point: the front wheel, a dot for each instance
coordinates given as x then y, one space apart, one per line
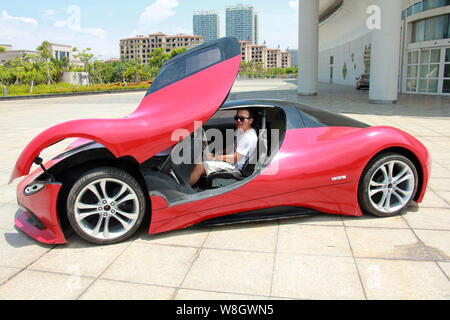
388 185
106 206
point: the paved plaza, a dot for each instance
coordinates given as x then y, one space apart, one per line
317 257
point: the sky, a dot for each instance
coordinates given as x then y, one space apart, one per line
100 24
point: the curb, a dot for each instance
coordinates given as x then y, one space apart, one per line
70 94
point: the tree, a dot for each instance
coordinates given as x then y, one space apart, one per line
2 49
157 57
85 56
32 69
4 77
46 54
61 66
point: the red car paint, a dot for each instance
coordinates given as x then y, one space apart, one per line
149 129
303 178
307 161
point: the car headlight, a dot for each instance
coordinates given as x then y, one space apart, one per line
33 188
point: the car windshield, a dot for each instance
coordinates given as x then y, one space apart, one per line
365 76
186 66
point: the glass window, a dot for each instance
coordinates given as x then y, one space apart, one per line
447 71
423 86
431 29
435 55
419 31
432 85
412 71
413 57
436 28
431 4
434 71
411 85
423 70
446 86
186 66
418 7
409 11
425 56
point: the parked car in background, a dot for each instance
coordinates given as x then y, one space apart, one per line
363 81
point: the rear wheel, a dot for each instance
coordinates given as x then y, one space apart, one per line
388 185
106 206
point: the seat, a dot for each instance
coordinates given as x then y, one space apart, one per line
222 179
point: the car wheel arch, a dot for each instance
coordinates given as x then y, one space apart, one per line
404 152
100 159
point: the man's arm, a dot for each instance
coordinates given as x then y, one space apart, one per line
230 158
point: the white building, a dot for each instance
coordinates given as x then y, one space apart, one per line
403 44
59 51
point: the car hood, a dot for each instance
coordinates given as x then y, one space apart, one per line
189 89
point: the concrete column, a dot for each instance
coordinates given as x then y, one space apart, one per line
384 65
308 47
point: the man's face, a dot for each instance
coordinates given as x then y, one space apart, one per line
244 122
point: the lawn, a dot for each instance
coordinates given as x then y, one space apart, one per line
61 88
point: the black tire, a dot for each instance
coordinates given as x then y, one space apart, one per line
123 207
383 193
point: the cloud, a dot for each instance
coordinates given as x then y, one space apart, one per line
294 4
4 17
14 28
157 12
49 13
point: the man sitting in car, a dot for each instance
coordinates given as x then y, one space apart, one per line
245 144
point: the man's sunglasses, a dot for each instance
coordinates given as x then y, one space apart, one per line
241 119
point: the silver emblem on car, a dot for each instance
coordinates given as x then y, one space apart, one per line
339 178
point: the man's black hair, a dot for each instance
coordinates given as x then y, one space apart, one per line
253 114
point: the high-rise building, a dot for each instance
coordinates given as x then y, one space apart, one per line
207 25
242 23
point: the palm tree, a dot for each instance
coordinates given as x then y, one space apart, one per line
46 54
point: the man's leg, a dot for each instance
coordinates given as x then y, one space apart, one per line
199 170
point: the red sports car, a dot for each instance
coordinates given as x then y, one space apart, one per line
118 171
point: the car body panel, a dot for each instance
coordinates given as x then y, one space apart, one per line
303 176
43 205
304 167
150 128
318 166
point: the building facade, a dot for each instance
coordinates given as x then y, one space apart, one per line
242 23
416 58
140 47
273 58
10 54
59 51
425 48
286 59
207 25
269 58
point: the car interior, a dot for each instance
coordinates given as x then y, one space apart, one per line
168 173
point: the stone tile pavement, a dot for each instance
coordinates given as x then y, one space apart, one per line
318 257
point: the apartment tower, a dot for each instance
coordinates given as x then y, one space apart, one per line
242 23
207 25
